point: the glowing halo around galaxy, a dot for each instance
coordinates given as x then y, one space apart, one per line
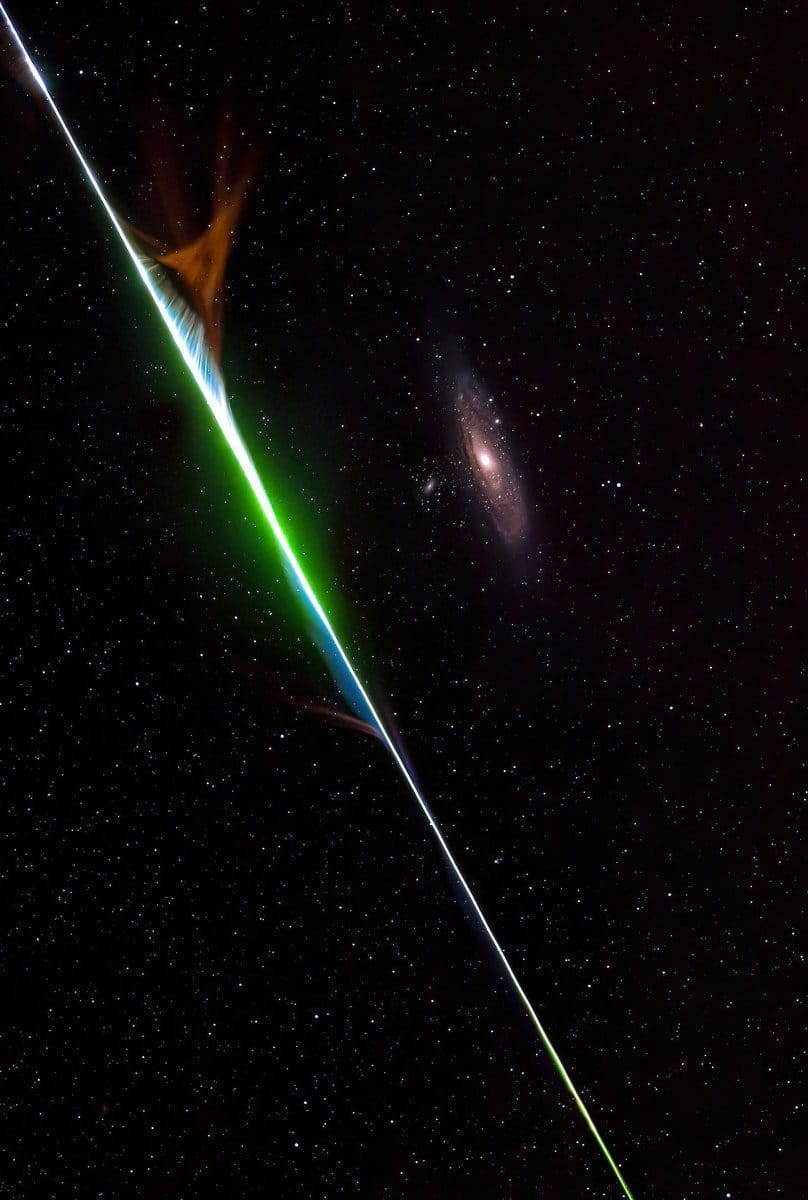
493 473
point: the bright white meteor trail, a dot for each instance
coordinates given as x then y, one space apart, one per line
187 333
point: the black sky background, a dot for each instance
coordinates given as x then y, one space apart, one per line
233 962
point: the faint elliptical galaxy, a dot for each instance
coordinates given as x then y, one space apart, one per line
492 470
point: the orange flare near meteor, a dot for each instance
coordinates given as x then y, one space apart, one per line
200 264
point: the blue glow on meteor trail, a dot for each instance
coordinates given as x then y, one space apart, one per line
187 333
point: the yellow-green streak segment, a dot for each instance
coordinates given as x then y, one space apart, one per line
186 337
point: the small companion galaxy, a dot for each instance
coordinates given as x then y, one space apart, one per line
535 935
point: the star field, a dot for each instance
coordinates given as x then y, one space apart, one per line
233 963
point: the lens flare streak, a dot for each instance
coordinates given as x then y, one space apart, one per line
187 331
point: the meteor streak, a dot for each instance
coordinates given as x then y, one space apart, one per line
187 331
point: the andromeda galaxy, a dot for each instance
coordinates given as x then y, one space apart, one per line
493 474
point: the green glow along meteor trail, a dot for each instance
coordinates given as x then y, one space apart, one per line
188 335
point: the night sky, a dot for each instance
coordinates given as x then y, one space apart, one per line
234 963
